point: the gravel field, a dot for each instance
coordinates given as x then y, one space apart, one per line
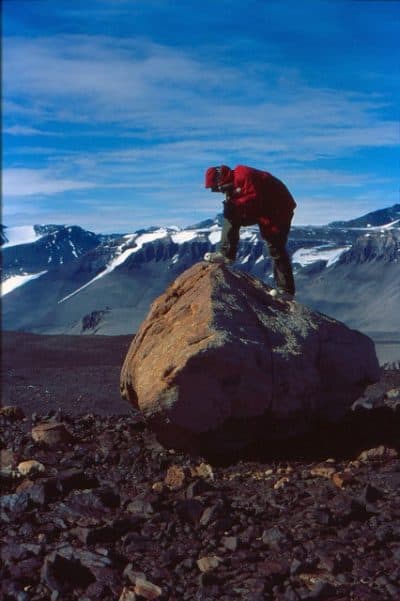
94 508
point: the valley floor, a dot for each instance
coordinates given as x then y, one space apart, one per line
387 346
80 374
75 373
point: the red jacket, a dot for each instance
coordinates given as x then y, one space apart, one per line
258 197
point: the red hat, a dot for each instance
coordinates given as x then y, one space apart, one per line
218 176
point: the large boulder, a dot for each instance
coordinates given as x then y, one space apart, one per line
218 361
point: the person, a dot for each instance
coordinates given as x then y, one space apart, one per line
254 197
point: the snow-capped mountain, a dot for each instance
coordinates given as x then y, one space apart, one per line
30 249
60 279
389 218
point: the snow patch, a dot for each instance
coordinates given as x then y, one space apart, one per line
306 256
184 236
215 236
248 234
24 234
385 226
150 237
16 281
335 256
72 245
121 255
390 225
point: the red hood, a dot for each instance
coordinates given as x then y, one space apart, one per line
218 176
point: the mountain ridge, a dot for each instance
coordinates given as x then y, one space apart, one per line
373 218
69 280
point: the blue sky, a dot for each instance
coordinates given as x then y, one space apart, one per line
113 109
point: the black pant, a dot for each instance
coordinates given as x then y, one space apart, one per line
282 267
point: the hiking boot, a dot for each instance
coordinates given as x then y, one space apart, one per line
281 294
217 257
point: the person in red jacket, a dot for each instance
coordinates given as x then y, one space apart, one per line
254 197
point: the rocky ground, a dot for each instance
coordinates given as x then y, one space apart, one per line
93 507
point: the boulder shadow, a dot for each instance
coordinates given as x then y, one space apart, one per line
360 429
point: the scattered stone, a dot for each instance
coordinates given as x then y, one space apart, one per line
190 510
281 482
371 494
343 563
94 536
67 568
175 477
51 433
127 594
296 567
273 537
323 470
71 535
323 516
23 570
12 412
157 487
43 491
209 515
63 571
229 542
141 505
14 504
75 479
204 470
8 459
197 488
170 557
341 479
147 589
89 506
131 574
205 564
30 467
322 590
274 570
380 453
136 543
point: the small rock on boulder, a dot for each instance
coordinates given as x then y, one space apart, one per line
218 358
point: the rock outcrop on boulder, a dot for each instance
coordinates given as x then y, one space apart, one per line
218 361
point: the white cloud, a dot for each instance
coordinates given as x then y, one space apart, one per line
183 110
31 182
21 130
160 91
